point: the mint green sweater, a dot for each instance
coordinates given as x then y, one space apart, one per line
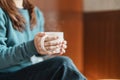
16 47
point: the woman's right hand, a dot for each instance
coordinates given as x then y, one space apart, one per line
49 44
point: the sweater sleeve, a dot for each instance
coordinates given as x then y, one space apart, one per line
40 18
13 55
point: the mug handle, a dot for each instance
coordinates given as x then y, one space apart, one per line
42 42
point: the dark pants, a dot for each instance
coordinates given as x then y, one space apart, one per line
57 68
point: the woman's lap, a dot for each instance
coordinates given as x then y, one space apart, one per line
57 68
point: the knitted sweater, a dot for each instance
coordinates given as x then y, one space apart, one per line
16 48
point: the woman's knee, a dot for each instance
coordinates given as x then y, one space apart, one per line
63 60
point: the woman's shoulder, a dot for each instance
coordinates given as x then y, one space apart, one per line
1 11
38 11
3 14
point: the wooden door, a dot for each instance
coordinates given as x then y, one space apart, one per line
102 45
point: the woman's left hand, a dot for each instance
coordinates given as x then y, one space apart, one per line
63 46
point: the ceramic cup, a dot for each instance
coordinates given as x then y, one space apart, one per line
60 36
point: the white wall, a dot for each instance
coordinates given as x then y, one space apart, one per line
101 5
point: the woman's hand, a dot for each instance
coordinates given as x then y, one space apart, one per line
63 46
49 44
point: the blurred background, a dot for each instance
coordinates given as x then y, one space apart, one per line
92 29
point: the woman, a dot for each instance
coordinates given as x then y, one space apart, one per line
21 24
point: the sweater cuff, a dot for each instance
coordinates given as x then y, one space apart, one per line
30 47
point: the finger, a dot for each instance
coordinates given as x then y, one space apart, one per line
51 43
50 38
51 48
45 52
64 46
41 34
64 42
62 51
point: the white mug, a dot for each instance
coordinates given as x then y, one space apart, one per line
60 36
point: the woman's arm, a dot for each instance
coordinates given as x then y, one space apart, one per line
13 55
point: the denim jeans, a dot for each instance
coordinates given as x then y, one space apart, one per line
57 68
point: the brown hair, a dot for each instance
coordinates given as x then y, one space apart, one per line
17 20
